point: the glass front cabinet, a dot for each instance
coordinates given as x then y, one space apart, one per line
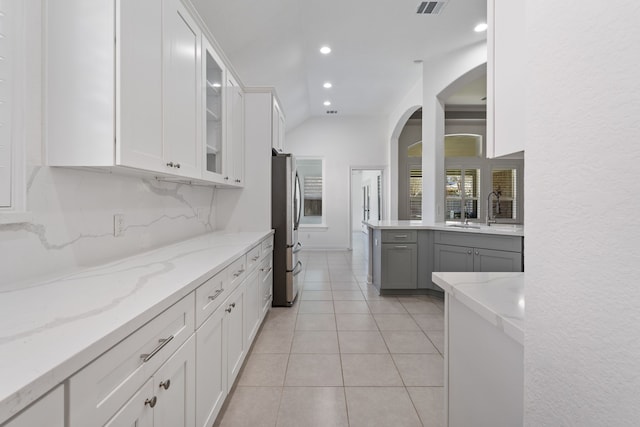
213 103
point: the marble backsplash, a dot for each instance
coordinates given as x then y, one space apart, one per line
73 221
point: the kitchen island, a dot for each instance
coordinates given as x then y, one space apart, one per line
483 356
404 254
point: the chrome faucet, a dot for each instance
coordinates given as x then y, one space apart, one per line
490 207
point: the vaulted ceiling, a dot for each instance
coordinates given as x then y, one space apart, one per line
374 43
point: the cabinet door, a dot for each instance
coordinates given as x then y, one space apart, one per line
138 410
452 258
48 411
253 306
174 386
182 96
214 114
399 266
506 68
277 127
234 332
235 132
266 271
211 366
487 260
139 84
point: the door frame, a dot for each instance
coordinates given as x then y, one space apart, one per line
376 168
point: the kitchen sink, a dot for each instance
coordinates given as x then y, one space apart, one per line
476 227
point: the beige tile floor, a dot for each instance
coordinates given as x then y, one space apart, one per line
343 355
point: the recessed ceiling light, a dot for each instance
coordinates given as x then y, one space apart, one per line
481 27
325 50
327 103
327 85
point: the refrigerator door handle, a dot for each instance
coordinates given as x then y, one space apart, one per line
297 248
296 270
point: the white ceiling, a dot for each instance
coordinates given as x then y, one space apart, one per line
374 42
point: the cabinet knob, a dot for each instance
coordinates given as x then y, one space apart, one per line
228 309
170 164
469 251
165 384
151 402
226 178
477 253
178 165
233 305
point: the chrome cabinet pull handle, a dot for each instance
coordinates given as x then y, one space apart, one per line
151 402
165 384
266 269
163 342
216 295
400 247
401 236
238 273
255 257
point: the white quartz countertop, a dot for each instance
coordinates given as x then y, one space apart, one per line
497 297
457 226
51 329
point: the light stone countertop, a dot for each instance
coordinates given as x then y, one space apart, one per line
51 329
504 229
496 297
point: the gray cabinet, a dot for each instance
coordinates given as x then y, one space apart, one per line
454 252
399 266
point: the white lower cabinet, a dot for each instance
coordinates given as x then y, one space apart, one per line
97 392
234 330
166 399
266 285
211 365
48 411
253 306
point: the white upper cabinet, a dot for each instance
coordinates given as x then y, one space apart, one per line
155 101
506 66
235 132
278 127
182 148
214 76
138 86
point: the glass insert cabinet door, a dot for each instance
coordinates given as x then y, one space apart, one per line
462 193
214 79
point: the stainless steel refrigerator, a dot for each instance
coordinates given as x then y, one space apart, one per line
285 217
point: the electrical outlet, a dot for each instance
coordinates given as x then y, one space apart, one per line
118 225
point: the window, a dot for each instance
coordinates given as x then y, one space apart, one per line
415 192
462 193
505 184
470 178
311 175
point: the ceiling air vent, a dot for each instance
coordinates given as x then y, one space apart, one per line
431 7
332 111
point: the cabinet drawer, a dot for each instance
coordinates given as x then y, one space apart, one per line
486 241
210 295
398 236
237 271
253 257
267 246
102 387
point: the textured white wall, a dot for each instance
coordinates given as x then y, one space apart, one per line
582 338
343 142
